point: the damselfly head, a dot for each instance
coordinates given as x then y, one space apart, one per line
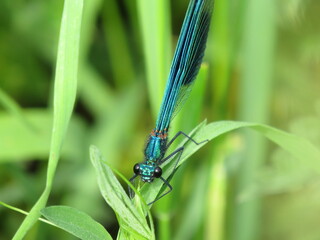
147 172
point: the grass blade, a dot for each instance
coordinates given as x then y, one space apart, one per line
256 83
154 20
24 212
194 210
12 107
64 97
117 44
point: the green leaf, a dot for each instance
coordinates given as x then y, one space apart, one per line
75 222
130 218
64 96
299 147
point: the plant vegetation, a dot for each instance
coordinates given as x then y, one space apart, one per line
81 85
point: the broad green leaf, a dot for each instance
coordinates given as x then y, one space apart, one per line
116 197
299 147
75 222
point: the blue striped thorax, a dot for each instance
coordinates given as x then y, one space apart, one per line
156 146
154 152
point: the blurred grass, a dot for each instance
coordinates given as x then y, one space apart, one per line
155 30
254 104
262 64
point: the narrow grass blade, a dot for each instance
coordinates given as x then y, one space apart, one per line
12 107
12 131
90 81
194 209
64 97
76 222
102 101
117 44
216 197
259 49
91 12
220 47
116 197
154 20
24 212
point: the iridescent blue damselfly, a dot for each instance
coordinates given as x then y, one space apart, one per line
185 66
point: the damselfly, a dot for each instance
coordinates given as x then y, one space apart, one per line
185 66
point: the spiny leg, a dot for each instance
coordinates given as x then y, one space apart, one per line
177 151
182 133
166 181
170 189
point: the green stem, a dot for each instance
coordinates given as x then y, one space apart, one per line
255 92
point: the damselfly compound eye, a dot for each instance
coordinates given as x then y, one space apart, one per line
157 172
136 168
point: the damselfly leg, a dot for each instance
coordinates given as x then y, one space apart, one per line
131 192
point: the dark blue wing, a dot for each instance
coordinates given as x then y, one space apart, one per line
187 58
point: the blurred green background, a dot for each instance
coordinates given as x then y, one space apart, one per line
262 64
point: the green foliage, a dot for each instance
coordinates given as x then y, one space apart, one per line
64 97
75 222
129 218
36 135
155 28
261 66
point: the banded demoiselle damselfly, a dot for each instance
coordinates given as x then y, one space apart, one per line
184 68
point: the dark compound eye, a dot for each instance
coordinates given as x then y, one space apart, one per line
157 172
136 168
